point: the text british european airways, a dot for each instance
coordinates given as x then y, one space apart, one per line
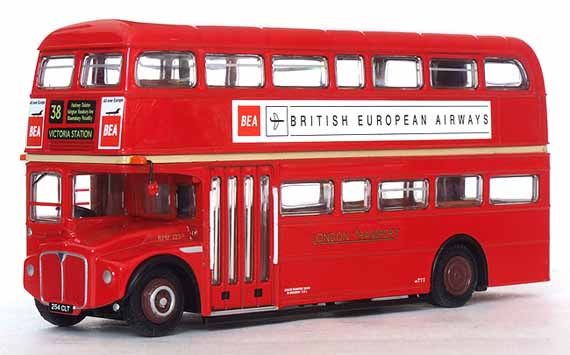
389 120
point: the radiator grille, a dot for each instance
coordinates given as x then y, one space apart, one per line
63 278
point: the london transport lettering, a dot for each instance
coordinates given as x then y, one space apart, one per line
358 236
358 120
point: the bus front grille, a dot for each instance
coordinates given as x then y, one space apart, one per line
63 278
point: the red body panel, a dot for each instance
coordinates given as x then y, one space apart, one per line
387 253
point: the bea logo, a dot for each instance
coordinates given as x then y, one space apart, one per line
110 133
248 121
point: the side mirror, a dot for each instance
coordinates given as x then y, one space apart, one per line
152 185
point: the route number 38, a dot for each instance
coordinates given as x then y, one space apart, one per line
56 112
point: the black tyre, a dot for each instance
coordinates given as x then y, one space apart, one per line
61 320
454 278
156 304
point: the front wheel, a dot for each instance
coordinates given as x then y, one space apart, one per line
454 278
61 320
156 304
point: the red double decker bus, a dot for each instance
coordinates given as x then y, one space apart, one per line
224 170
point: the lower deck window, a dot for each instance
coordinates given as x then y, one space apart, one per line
458 191
307 198
355 196
513 189
402 195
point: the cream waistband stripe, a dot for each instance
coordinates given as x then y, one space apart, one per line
196 158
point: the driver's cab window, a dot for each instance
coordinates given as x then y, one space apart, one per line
98 195
45 203
176 197
159 203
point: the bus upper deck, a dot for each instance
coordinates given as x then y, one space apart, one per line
122 88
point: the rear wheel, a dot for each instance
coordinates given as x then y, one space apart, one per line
61 320
454 278
156 303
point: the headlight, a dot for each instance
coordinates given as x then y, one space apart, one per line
30 270
29 232
107 276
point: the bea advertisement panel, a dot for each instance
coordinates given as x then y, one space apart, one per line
111 122
36 117
265 121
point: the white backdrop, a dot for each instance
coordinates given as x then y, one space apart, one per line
544 25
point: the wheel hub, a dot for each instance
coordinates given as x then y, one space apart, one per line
457 276
158 300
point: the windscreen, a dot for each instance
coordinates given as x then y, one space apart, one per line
45 204
114 194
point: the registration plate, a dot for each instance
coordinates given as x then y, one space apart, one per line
60 308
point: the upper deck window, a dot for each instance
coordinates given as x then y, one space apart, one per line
166 69
503 73
453 73
349 71
298 71
101 70
397 72
236 70
56 72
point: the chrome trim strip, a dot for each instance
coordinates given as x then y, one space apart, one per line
248 203
390 298
275 225
195 158
62 297
211 231
243 311
264 227
232 229
215 229
65 254
192 250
